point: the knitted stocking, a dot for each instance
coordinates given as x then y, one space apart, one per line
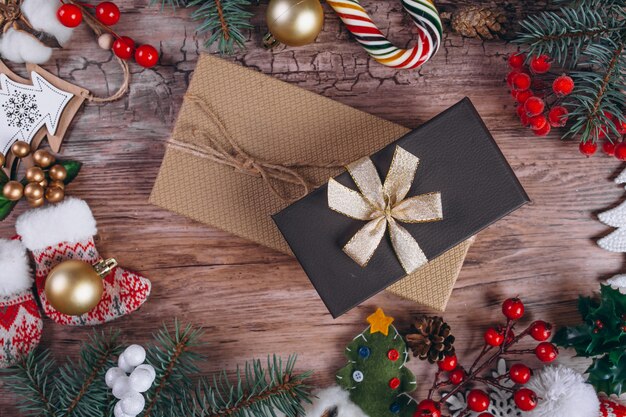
20 321
65 231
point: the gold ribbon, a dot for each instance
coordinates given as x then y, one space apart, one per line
383 206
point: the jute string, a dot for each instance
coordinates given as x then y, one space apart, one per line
272 173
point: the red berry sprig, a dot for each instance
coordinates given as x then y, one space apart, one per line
106 14
499 342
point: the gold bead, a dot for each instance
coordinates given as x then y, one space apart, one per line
43 158
20 149
33 191
36 203
295 22
43 183
54 194
73 287
58 184
13 190
3 159
35 174
58 172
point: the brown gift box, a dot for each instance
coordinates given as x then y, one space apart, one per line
275 122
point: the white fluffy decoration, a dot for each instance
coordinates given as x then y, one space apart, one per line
21 47
69 221
15 274
618 282
328 398
564 393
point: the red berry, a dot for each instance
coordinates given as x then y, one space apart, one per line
513 308
540 64
525 399
510 75
477 400
621 127
546 352
493 337
147 56
563 85
520 373
608 147
393 355
543 131
521 81
107 13
394 383
588 148
517 60
620 151
534 106
537 122
457 376
557 116
540 330
70 15
124 47
427 408
448 363
523 96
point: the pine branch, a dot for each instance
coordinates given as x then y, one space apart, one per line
257 393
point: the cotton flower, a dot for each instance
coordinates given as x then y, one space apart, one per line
564 393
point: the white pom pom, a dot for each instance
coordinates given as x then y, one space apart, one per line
564 393
148 368
118 412
121 387
112 375
618 282
134 355
141 379
124 365
133 404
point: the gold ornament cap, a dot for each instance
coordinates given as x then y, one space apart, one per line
293 22
75 287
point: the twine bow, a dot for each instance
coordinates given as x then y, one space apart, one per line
384 206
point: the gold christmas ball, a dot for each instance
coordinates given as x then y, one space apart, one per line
58 184
58 173
295 22
105 41
43 183
43 158
20 149
73 287
36 203
33 191
55 194
13 190
35 174
2 159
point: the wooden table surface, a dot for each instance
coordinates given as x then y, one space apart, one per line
253 301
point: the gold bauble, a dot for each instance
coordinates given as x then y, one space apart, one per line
35 174
55 194
2 159
20 149
58 172
43 183
36 203
58 184
33 191
75 287
43 158
13 190
294 22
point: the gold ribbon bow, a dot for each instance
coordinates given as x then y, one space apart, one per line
383 206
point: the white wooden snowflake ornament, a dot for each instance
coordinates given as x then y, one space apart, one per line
615 217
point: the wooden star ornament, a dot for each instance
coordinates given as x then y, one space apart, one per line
379 322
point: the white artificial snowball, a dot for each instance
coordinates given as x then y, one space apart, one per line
563 393
141 379
134 355
112 375
133 404
148 368
121 387
124 365
118 412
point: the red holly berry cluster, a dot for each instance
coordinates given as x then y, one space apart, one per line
498 342
107 14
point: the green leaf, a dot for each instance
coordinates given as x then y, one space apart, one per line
606 376
6 206
72 168
3 177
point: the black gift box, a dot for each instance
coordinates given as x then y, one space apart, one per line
458 157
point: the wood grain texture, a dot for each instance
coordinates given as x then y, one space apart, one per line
254 301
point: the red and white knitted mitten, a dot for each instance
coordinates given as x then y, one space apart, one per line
65 231
20 320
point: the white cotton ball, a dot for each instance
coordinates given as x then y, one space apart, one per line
133 404
563 393
42 14
118 412
122 388
148 368
18 46
134 355
141 379
124 365
112 375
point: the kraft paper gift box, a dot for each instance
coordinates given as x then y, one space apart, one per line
272 121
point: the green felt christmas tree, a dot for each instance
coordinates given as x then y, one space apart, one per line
376 376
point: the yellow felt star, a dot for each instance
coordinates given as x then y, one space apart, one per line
379 322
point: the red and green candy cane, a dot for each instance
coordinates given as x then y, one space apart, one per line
360 24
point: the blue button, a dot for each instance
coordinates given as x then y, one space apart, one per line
364 352
395 408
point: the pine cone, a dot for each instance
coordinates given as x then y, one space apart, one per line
430 339
480 22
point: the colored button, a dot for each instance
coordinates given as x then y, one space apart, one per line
393 355
364 352
394 383
395 408
357 376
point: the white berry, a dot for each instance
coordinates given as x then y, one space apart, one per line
121 388
134 355
148 368
111 376
118 412
133 404
123 364
141 379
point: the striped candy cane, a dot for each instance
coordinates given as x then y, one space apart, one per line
360 24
